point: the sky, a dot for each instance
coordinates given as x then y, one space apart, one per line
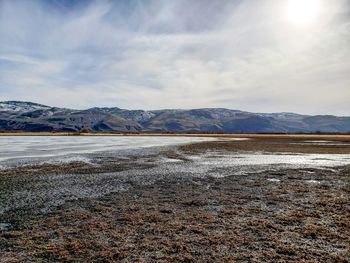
253 55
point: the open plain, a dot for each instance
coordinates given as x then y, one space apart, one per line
246 198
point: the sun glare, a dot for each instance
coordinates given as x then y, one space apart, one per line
303 12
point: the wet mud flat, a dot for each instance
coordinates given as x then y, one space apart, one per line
191 203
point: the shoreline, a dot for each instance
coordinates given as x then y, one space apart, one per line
340 137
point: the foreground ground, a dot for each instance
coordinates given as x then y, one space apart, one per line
274 215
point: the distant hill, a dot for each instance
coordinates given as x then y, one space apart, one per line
28 116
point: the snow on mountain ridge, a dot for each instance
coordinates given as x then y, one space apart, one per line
19 106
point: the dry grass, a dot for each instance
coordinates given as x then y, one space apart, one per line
239 218
190 223
269 145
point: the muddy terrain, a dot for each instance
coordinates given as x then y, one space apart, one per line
254 200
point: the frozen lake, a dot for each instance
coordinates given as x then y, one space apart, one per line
42 147
17 150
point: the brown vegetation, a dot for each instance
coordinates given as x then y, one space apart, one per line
239 218
189 222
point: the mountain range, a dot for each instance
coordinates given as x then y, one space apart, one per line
33 117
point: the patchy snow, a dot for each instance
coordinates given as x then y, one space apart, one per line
14 106
274 180
312 182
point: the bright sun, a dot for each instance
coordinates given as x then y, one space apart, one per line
303 12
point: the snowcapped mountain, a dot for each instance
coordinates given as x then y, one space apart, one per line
20 106
28 116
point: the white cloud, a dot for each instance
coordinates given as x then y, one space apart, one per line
178 54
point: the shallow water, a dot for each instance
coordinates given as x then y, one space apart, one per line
323 142
260 158
253 162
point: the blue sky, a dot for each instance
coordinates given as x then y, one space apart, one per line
244 54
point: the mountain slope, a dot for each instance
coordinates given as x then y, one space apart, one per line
28 116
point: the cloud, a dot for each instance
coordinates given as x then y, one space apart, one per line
179 54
